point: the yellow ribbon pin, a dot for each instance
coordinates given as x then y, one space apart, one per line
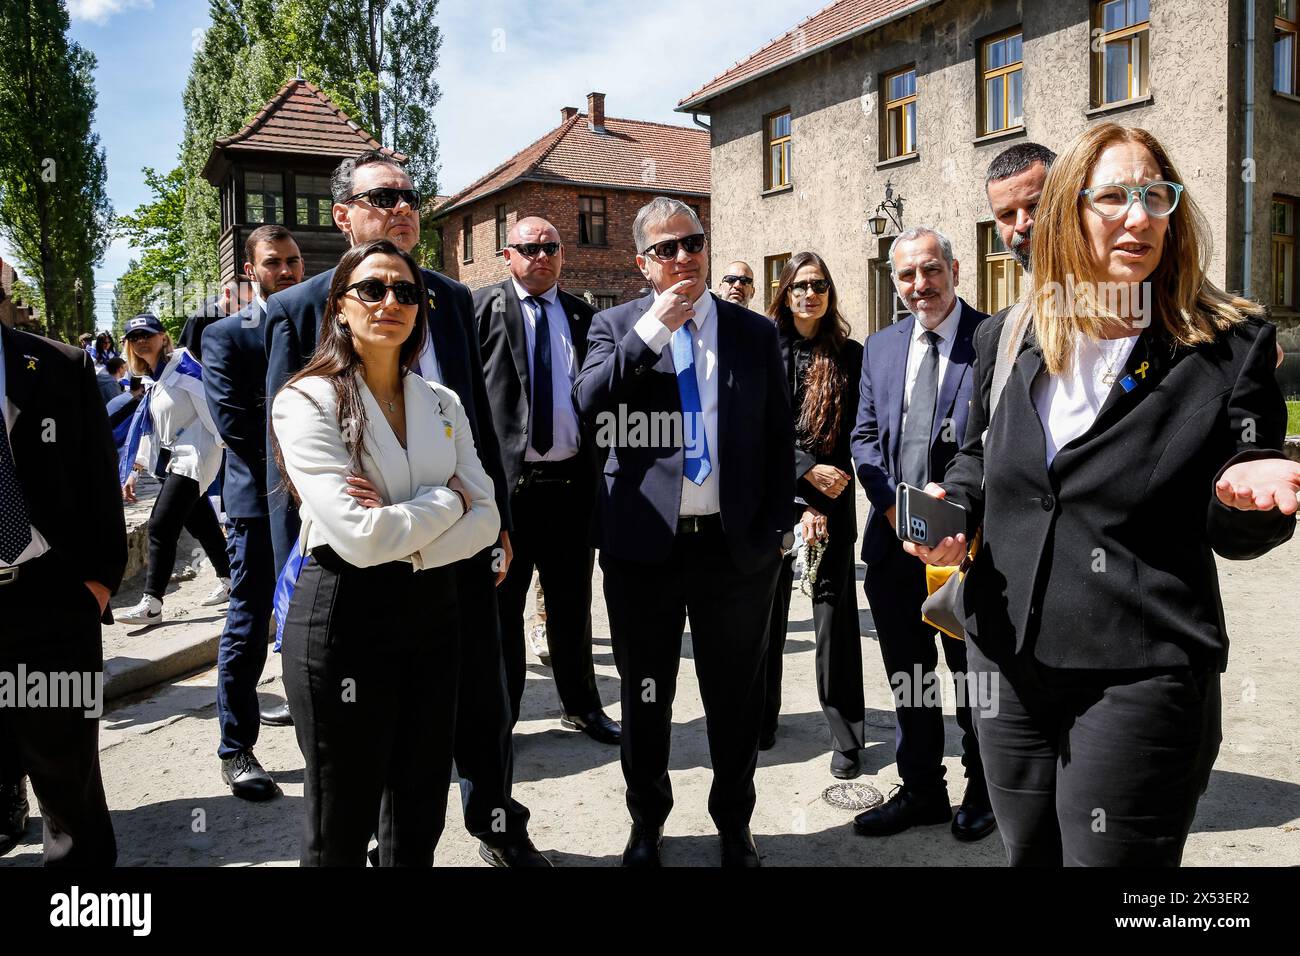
1142 369
31 364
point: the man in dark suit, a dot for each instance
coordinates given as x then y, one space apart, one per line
62 555
691 518
373 199
915 395
234 380
533 340
212 310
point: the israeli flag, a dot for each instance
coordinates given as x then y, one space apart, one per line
284 587
141 425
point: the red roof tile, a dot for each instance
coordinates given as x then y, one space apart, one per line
631 154
832 24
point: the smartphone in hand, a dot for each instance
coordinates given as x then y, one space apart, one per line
925 519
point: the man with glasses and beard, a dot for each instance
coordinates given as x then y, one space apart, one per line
737 284
533 340
374 199
689 524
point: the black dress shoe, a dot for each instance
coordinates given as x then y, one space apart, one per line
517 853
277 716
974 819
14 811
597 725
642 848
246 778
846 766
738 848
903 810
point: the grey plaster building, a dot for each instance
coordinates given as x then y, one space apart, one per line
919 95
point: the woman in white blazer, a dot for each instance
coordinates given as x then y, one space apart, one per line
173 437
391 494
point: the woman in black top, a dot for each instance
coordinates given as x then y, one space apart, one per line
1139 433
822 363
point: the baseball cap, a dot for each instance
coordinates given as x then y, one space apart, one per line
146 324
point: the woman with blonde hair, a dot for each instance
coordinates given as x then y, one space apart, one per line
1138 433
172 435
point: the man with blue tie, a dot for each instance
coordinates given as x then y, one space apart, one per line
915 393
533 339
687 395
374 199
234 382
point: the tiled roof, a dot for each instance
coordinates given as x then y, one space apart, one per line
300 119
631 154
832 24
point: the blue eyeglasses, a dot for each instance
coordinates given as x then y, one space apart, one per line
1112 200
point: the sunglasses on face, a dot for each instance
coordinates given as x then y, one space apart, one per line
531 249
1112 200
386 197
818 286
374 290
668 248
737 280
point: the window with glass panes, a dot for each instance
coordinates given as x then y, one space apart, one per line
313 200
263 197
1284 253
591 221
502 231
1121 50
1002 75
778 149
467 239
605 302
900 113
1002 279
1286 34
772 266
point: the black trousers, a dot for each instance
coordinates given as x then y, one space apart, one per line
895 587
839 642
1096 768
242 652
551 516
728 610
181 504
49 624
485 755
370 672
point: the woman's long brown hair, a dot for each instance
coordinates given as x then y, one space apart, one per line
822 411
336 357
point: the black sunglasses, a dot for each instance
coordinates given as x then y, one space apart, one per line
817 285
668 248
531 249
373 290
737 280
386 197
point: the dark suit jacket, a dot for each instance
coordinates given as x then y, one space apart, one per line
70 484
292 321
877 436
639 499
1135 491
503 345
841 512
234 381
192 331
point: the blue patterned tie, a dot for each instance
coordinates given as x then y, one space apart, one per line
543 431
15 524
696 466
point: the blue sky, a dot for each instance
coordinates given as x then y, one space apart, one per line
506 70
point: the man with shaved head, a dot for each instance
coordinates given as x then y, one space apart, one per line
533 340
737 284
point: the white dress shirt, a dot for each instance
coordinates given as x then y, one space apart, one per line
564 434
1068 404
38 545
702 499
421 520
917 347
430 370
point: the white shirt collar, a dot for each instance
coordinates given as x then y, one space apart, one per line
704 310
549 296
261 303
945 329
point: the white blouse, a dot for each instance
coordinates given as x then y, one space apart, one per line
183 423
421 519
1068 404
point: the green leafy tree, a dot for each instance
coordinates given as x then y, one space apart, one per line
157 280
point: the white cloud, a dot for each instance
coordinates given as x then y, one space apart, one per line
98 11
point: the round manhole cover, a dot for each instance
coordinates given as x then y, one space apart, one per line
853 796
879 718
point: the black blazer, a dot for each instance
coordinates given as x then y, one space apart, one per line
639 499
234 381
841 512
503 346
292 321
70 484
1133 495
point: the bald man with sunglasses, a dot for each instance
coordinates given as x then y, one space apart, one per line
737 285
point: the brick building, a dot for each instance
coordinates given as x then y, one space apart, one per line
14 313
588 176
